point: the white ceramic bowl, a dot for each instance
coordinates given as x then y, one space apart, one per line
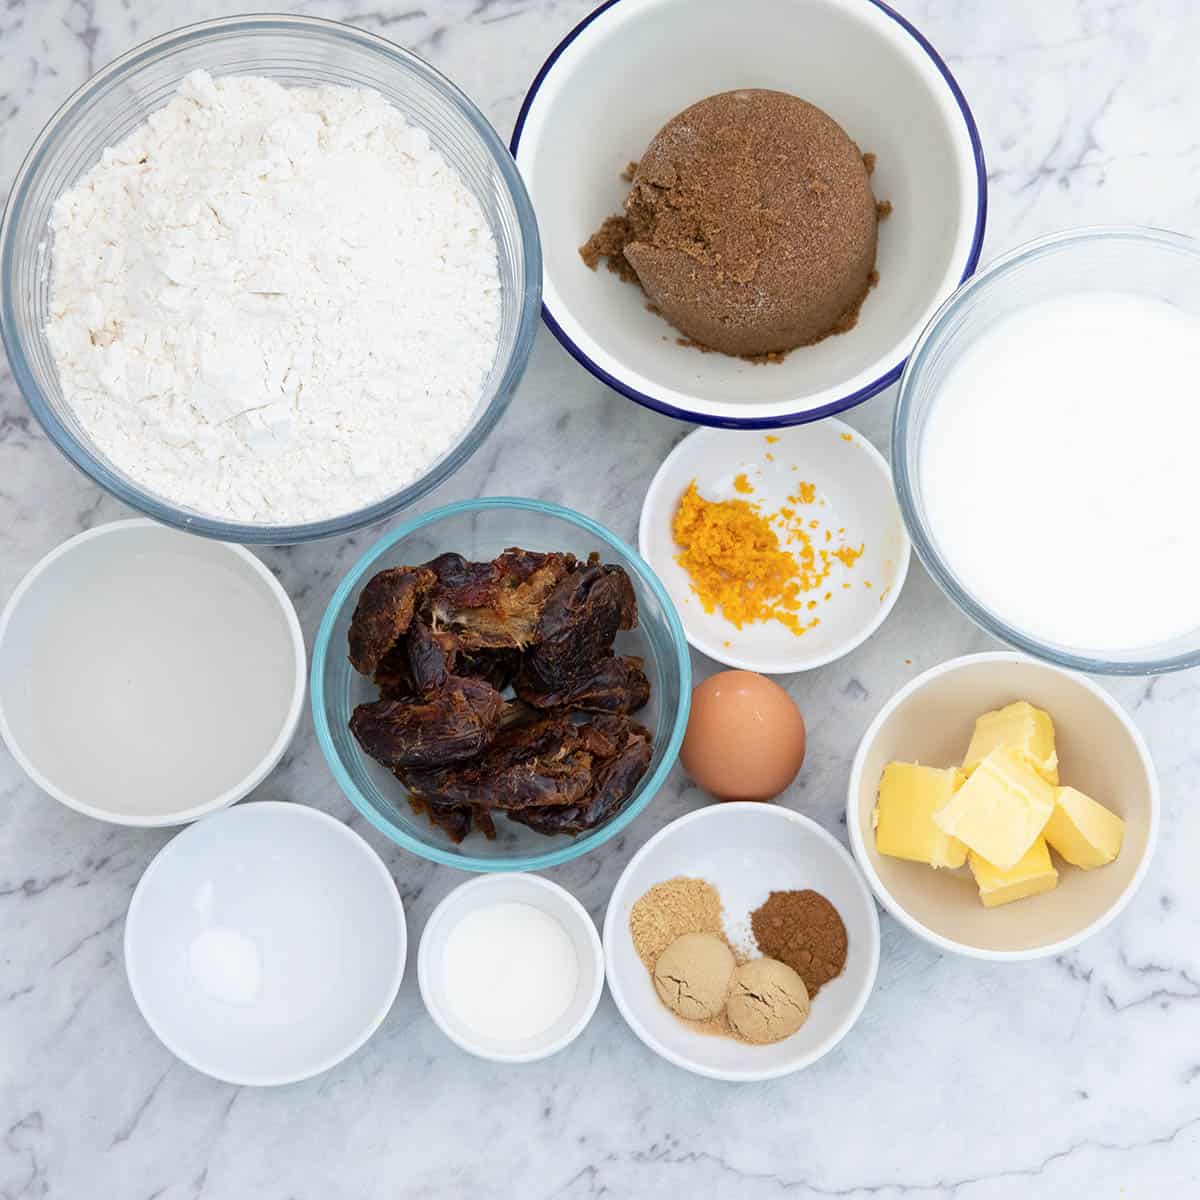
511 889
745 850
630 66
1100 752
265 944
148 677
853 493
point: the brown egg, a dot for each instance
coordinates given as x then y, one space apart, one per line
745 737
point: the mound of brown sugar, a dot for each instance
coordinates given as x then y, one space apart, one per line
751 224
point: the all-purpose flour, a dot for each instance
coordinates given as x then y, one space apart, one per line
273 304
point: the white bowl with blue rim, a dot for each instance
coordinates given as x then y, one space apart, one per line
630 66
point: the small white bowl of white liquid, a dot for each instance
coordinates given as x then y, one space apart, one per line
510 967
148 677
1044 449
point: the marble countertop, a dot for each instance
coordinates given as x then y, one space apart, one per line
1070 1077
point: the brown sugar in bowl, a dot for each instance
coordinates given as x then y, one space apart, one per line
629 67
751 223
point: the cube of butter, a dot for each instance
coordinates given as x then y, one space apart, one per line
1001 810
1033 874
909 794
1084 832
1019 725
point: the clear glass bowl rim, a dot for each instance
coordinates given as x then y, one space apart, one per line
233 531
904 470
580 845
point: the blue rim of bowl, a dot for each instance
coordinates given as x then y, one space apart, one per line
232 531
903 470
835 406
580 845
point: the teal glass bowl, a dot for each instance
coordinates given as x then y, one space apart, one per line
481 529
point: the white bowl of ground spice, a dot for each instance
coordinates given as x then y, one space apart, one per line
797 919
749 152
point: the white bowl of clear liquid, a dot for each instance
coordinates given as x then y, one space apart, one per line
148 677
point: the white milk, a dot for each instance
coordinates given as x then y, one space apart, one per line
1060 467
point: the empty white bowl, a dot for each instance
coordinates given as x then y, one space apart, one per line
629 67
1100 752
265 944
148 677
746 850
853 494
551 899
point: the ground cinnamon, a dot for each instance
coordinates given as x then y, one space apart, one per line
805 931
755 565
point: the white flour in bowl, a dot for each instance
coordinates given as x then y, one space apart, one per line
273 304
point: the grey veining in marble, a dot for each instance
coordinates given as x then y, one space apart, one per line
1073 1077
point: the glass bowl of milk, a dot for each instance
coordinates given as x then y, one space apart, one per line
1045 449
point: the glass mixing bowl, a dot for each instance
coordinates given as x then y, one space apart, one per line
296 51
1147 262
481 529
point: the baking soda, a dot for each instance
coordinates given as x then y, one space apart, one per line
1060 474
510 971
226 965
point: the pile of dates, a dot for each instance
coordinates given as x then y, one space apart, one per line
500 690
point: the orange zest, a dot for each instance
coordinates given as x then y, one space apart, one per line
752 565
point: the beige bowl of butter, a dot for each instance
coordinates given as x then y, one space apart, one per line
1100 752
